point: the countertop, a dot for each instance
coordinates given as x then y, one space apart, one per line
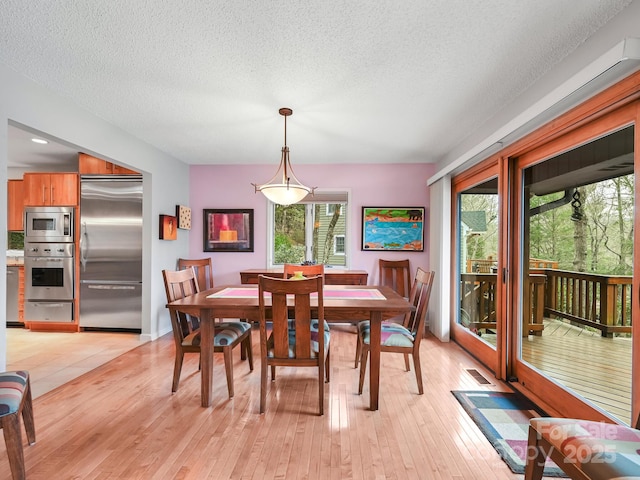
15 258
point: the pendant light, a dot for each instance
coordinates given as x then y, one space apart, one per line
284 188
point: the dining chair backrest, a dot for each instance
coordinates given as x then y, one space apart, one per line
307 270
419 299
396 274
179 284
203 268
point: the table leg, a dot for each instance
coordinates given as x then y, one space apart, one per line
206 356
374 358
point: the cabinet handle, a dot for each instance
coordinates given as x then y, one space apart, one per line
43 194
52 195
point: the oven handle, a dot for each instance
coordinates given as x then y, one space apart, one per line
47 259
111 287
49 304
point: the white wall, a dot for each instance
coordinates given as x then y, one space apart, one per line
441 253
166 182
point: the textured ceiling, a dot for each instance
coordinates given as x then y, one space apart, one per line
384 81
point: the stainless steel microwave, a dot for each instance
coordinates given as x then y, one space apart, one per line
48 224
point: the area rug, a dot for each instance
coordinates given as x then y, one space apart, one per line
503 417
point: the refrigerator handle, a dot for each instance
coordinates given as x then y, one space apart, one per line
83 250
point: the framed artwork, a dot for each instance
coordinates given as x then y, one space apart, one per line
393 228
168 227
184 217
228 230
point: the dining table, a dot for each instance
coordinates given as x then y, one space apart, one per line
342 304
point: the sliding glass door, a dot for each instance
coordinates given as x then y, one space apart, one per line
572 322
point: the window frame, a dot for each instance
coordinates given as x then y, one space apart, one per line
321 196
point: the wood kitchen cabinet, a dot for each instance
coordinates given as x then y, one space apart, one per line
96 166
60 189
15 203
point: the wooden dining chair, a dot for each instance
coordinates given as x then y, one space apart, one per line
301 341
396 274
307 270
400 338
16 401
180 284
203 268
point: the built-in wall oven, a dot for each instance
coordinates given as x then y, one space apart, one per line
49 282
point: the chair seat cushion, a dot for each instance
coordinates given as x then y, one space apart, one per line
225 334
601 450
314 340
391 334
12 386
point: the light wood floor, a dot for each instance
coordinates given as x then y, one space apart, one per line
120 421
55 358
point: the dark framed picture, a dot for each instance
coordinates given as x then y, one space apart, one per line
168 227
228 230
393 228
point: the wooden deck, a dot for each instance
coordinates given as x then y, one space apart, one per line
595 367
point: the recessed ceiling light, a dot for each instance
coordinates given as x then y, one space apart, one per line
39 140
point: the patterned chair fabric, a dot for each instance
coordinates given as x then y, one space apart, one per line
586 449
225 334
391 334
12 387
314 340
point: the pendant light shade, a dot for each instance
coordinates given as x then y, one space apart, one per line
284 188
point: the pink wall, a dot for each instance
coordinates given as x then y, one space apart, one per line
229 186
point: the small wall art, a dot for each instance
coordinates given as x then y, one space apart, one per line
168 227
393 228
184 217
228 230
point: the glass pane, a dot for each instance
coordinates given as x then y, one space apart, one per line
311 232
477 257
576 287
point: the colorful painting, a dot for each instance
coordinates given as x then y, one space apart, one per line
391 228
228 230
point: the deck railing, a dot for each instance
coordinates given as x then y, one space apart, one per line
598 301
602 302
478 301
484 265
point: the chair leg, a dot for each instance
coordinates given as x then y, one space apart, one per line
417 367
363 368
406 362
327 366
358 351
273 373
13 440
228 367
177 368
249 351
536 457
321 373
263 384
27 414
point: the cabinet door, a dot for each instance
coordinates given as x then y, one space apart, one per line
118 170
36 189
92 165
64 189
15 198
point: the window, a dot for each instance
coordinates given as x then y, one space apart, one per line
338 245
314 230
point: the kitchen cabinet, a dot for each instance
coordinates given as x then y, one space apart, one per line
96 166
59 189
15 203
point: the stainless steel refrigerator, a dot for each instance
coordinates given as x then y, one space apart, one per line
111 252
